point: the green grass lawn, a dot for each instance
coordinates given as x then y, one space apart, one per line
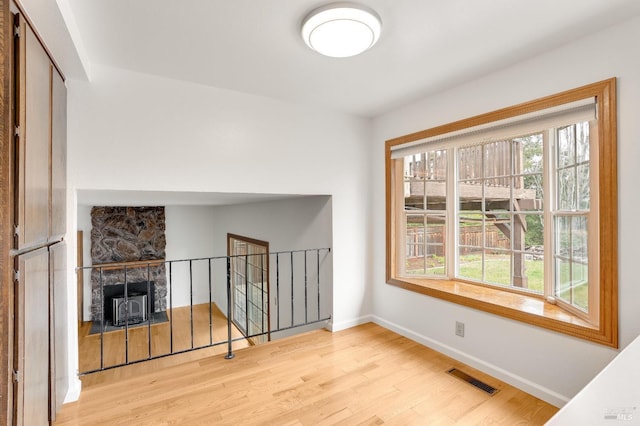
498 271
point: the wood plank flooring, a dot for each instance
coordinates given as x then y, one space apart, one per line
161 344
362 375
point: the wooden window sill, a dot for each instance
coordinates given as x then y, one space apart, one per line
528 309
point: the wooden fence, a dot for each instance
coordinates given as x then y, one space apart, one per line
470 238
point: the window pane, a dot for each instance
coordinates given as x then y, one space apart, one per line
436 195
497 268
534 236
425 245
425 181
566 146
567 189
563 236
533 271
497 231
470 229
563 279
436 233
580 285
414 166
527 154
571 254
582 142
470 263
414 195
528 191
583 187
415 245
470 194
579 238
497 161
470 162
497 197
436 166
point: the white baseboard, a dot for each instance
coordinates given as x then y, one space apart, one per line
73 393
343 325
521 383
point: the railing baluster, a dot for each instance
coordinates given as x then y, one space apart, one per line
191 299
171 307
305 287
126 317
246 293
292 298
278 290
318 278
150 309
262 290
101 319
209 307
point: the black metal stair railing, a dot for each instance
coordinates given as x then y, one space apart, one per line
302 297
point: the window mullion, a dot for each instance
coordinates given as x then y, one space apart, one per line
452 213
549 185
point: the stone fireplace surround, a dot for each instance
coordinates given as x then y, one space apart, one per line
131 235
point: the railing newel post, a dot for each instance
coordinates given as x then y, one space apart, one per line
229 354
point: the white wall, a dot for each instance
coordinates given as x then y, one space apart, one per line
190 233
130 131
292 224
547 364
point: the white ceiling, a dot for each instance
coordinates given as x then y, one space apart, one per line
254 46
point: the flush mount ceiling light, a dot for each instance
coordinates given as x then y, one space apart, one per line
341 30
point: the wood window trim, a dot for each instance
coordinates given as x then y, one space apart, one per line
530 309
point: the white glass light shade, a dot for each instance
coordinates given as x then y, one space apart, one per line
341 30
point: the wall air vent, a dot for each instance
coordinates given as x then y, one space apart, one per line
473 381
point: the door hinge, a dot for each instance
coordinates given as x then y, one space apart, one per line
16 376
16 131
16 31
16 230
16 276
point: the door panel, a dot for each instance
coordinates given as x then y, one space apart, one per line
58 157
33 355
59 333
34 70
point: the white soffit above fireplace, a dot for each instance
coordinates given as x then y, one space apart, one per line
169 198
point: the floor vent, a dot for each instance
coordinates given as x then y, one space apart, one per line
473 381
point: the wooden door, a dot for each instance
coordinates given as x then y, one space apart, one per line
250 287
32 323
34 122
40 215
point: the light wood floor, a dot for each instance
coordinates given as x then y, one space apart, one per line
114 342
362 375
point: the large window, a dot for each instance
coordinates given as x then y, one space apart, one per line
513 212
